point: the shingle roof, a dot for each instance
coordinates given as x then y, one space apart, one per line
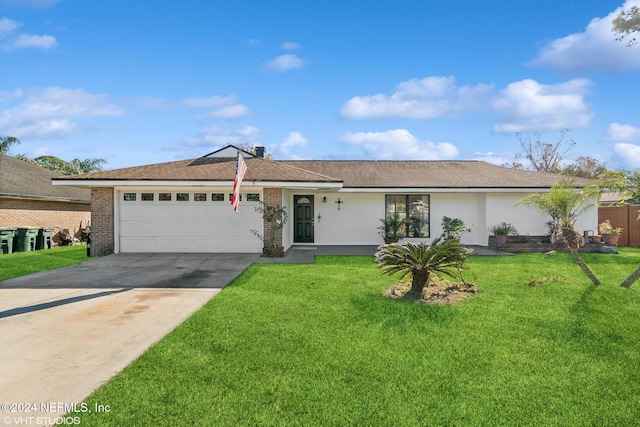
209 169
354 174
19 178
428 174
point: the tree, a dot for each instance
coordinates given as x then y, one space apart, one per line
73 167
543 156
627 184
565 203
585 167
442 258
627 23
6 142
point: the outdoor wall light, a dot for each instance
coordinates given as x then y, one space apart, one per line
324 199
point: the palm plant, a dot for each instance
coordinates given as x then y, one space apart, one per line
565 203
444 258
6 142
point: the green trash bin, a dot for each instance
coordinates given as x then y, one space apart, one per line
6 239
44 238
26 239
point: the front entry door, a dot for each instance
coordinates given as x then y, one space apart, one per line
303 220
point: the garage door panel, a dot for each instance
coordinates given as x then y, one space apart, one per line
188 227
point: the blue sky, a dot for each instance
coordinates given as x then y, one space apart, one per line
147 82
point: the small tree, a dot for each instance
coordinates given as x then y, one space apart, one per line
6 142
627 184
626 23
453 228
443 258
73 167
543 156
274 218
565 203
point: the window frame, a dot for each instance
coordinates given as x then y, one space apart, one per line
424 223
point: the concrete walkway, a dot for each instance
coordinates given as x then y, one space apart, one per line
65 332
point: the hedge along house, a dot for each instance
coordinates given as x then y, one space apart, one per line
184 206
27 198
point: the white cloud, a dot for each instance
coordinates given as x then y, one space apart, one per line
629 153
52 112
525 105
425 98
224 107
399 144
9 41
293 140
31 40
219 136
230 112
7 27
530 106
284 63
495 158
593 49
290 46
617 132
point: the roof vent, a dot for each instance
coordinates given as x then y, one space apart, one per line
260 151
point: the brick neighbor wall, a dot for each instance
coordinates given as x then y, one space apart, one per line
44 214
102 227
272 197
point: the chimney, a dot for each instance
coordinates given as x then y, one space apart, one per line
260 151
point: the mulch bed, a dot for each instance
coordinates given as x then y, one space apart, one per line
436 292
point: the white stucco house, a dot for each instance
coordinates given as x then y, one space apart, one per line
184 206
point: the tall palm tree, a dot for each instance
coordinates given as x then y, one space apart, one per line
421 261
73 167
564 203
6 142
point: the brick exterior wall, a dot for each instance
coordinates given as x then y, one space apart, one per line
272 197
47 214
102 226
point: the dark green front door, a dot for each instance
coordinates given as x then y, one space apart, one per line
303 219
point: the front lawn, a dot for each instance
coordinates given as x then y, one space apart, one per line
23 263
317 345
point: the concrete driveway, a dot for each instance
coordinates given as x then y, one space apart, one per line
65 332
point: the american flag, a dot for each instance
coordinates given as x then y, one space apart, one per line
241 170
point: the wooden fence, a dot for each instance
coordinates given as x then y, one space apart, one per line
627 217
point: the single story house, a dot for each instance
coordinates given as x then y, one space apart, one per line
184 206
27 198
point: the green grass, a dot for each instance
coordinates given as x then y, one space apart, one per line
23 263
317 345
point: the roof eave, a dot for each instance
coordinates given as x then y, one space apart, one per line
190 183
43 198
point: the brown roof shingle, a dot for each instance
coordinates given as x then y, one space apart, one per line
19 178
351 173
209 169
428 174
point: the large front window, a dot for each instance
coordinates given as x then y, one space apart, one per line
411 208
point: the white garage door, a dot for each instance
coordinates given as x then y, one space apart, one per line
187 221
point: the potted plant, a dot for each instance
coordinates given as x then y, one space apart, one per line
609 233
390 228
501 231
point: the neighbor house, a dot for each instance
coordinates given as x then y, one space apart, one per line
27 198
184 206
